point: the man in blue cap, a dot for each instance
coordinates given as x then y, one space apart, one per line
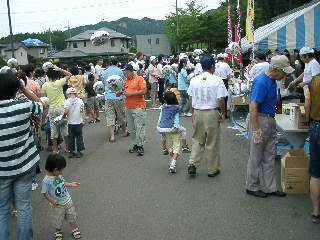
207 101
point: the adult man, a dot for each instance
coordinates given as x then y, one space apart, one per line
224 71
314 133
261 180
114 104
153 79
207 93
134 90
260 66
98 69
161 79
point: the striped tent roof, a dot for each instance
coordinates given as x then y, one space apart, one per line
294 31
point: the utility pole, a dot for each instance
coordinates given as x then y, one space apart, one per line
50 41
177 25
10 27
69 29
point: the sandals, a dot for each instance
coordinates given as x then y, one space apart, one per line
92 121
98 120
58 235
76 233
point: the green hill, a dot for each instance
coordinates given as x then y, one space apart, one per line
128 26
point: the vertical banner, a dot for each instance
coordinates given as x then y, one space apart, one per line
230 37
250 21
238 32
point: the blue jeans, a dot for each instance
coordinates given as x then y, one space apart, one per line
185 102
19 189
75 137
314 166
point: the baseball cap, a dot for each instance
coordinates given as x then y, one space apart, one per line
71 91
207 61
152 58
282 63
306 50
128 67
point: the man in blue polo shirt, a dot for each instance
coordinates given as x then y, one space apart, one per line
261 181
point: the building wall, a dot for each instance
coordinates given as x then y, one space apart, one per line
38 52
112 45
153 44
20 54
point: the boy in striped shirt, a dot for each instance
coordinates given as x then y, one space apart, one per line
18 154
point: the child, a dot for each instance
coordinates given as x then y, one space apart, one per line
55 191
182 130
168 126
73 110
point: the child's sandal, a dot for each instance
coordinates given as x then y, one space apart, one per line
58 235
76 233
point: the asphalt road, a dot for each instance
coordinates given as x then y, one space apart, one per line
124 197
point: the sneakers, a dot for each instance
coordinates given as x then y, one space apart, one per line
79 154
134 149
192 170
315 218
34 186
165 151
172 167
187 114
186 149
140 151
72 155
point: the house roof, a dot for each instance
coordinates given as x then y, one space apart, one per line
78 53
30 42
85 36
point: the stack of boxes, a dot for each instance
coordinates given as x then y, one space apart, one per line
294 172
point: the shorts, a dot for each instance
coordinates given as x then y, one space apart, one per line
154 87
115 111
314 132
173 142
62 212
55 128
92 103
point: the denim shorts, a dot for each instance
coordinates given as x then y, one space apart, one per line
314 132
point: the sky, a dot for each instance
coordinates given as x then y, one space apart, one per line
40 15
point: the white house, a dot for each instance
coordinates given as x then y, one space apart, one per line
81 46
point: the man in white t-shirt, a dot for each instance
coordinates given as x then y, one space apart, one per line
224 71
312 69
198 69
261 65
98 69
73 111
207 101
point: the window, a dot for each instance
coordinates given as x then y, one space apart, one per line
157 41
149 41
84 44
113 43
69 44
41 51
75 45
21 54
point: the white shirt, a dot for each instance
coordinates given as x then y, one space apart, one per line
205 89
98 71
259 68
75 107
198 69
159 67
223 70
239 88
153 72
311 70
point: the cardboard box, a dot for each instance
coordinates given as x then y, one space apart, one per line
240 100
295 172
302 122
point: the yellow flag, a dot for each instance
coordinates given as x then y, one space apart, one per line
250 21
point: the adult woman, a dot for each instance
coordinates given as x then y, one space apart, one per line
183 87
54 91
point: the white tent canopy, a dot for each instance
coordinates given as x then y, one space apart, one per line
294 31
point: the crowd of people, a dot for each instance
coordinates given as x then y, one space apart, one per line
62 99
